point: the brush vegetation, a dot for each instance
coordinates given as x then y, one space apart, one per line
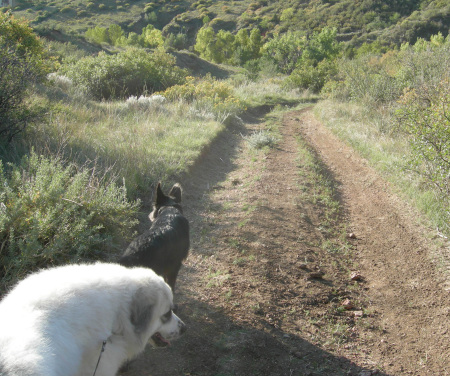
94 114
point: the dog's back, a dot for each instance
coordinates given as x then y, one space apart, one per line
166 244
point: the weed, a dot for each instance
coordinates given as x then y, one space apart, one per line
261 139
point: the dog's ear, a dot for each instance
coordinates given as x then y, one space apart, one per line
160 197
141 312
175 192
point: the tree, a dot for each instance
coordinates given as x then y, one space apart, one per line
224 46
98 35
285 50
255 43
23 61
115 32
205 43
151 37
322 46
317 62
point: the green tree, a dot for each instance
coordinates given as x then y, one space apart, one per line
205 43
323 45
242 48
317 63
255 44
151 37
287 15
115 32
224 46
285 50
98 35
23 61
424 116
177 41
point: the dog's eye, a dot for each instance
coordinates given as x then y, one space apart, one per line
167 316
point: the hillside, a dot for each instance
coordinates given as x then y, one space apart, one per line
390 22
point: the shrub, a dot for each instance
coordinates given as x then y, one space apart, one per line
215 96
367 80
146 103
23 61
130 72
52 214
312 77
177 41
261 139
97 35
424 116
285 50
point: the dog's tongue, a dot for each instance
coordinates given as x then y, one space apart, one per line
159 340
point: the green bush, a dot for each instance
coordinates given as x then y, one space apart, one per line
51 214
215 95
424 116
379 79
312 77
177 41
224 47
285 50
130 72
368 79
97 35
23 61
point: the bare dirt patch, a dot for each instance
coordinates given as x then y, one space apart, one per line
276 285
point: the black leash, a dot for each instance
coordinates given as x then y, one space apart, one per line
101 353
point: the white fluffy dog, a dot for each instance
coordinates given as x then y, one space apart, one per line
55 322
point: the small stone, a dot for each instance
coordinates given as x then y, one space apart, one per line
355 276
352 235
347 304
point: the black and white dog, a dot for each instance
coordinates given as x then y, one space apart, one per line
165 245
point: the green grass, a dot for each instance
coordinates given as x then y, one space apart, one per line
368 133
141 145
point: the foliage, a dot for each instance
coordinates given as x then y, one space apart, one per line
130 72
98 35
216 96
380 79
409 90
177 41
425 116
51 214
317 63
312 77
358 21
150 37
285 50
23 61
224 47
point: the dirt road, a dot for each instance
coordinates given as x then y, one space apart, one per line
281 281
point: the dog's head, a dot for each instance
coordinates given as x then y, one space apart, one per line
152 316
173 199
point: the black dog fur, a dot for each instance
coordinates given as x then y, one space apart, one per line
165 245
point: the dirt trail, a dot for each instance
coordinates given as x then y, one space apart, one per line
263 287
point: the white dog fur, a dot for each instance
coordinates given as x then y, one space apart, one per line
54 322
